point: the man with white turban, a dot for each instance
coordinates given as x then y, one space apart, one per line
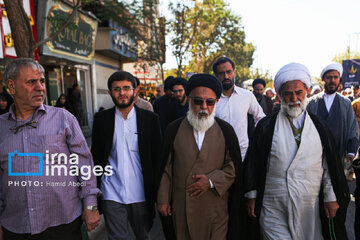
337 111
294 181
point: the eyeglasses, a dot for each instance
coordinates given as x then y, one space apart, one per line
222 74
16 128
124 88
200 101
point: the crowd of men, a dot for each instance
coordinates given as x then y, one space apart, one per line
215 160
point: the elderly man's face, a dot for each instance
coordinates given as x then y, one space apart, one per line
331 81
293 98
203 101
292 92
29 88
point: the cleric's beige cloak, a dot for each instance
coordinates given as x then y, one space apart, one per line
204 217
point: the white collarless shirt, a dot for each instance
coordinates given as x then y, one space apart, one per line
234 110
199 138
299 120
126 185
329 100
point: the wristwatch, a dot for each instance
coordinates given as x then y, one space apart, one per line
92 208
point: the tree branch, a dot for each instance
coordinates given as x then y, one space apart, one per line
68 21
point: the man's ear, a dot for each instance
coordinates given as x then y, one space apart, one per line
11 85
136 90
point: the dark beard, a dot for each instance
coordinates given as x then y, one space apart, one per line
181 100
329 91
227 86
258 96
123 105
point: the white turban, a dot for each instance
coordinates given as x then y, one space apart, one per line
333 66
315 88
291 72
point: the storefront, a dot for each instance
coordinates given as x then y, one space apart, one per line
115 47
68 58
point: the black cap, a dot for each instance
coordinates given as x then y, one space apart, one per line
168 83
204 80
257 81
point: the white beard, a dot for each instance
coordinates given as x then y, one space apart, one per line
203 124
294 112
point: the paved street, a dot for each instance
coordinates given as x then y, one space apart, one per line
156 231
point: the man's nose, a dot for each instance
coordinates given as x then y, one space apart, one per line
40 85
294 97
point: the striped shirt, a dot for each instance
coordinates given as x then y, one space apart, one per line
31 199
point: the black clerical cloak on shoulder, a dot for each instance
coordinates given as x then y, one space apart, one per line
236 204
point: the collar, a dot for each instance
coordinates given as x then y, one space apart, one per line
12 115
130 115
235 91
329 96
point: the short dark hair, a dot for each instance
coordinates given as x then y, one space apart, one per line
137 81
121 76
221 61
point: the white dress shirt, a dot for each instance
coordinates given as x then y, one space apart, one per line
234 110
126 185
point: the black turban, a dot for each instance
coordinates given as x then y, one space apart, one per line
204 80
179 81
257 81
168 84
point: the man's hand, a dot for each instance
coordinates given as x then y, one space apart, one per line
200 187
250 203
164 209
331 209
91 219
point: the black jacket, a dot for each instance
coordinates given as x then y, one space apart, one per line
149 140
236 204
255 167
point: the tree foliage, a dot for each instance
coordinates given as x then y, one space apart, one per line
138 17
346 56
206 31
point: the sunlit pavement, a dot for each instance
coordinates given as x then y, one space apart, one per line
157 234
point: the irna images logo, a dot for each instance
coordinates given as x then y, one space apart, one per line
16 154
57 164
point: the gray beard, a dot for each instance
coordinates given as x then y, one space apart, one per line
294 112
203 124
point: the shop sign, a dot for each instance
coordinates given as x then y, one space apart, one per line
76 41
122 41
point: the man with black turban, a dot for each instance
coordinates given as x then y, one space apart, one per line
165 106
265 102
201 161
